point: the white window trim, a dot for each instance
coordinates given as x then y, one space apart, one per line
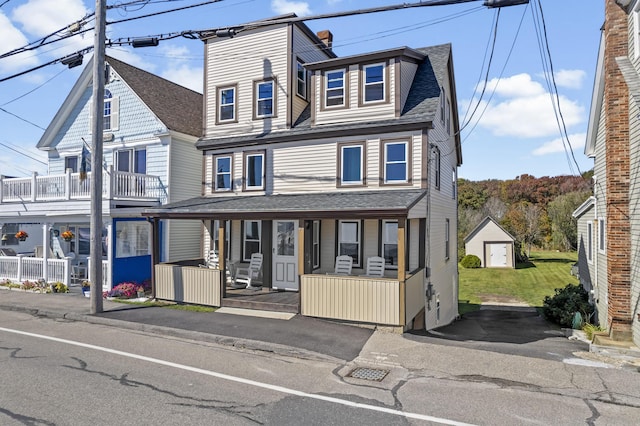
232 104
244 239
246 168
365 85
447 239
361 180
358 241
602 235
216 173
326 88
442 98
406 162
384 241
589 248
454 183
272 98
303 80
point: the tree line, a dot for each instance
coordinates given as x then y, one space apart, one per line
536 211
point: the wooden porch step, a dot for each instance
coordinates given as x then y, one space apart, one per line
264 300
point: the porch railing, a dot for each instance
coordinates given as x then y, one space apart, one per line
188 284
22 268
69 186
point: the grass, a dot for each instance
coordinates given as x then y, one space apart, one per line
529 282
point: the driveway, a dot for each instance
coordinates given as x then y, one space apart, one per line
513 330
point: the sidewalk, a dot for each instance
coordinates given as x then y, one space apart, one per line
298 336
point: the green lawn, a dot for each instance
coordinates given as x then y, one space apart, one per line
529 282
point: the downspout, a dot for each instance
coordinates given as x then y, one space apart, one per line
595 289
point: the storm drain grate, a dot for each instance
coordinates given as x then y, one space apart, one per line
373 374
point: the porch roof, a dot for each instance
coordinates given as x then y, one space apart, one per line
389 204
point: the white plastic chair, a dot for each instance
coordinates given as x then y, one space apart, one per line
344 264
212 261
246 275
375 266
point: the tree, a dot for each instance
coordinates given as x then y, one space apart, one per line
563 225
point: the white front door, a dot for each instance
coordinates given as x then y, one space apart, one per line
498 255
285 255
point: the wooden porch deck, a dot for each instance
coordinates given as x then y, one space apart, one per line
264 299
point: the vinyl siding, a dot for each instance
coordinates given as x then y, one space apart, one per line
600 172
586 269
250 56
490 232
634 205
414 244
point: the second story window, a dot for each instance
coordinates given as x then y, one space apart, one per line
301 77
131 160
334 88
222 173
396 164
226 104
351 164
442 101
71 163
436 167
373 84
254 171
110 113
264 99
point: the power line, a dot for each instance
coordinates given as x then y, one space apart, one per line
20 118
22 153
33 90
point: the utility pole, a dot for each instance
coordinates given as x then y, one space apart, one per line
95 247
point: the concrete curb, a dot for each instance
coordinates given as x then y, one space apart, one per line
234 342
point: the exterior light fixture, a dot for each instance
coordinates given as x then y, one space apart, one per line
145 42
503 3
72 60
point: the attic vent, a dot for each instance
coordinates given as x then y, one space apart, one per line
373 374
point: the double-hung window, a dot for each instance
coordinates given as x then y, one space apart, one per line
316 244
390 243
265 91
373 83
301 77
442 102
110 112
222 171
226 104
254 171
334 88
349 239
396 162
602 243
447 239
589 242
351 164
251 238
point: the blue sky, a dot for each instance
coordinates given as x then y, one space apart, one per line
512 131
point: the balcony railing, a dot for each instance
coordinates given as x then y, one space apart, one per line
69 186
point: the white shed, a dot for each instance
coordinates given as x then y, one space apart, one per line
492 244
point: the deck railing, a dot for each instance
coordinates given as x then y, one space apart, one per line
69 186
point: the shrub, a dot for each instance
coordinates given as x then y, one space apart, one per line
590 329
471 261
59 287
565 303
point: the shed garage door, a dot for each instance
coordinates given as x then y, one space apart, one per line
498 255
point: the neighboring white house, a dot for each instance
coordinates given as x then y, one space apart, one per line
492 244
308 156
150 129
609 223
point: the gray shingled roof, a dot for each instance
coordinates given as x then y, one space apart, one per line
179 108
419 109
346 204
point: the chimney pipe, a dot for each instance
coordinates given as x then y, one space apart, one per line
326 37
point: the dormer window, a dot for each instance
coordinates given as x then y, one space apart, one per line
301 88
373 83
334 88
264 96
226 104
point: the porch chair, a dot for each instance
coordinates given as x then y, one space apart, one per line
211 260
245 276
343 265
375 266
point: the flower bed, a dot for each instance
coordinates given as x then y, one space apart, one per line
128 290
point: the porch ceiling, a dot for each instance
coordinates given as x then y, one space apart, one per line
390 204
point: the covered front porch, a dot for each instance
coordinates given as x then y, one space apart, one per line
299 241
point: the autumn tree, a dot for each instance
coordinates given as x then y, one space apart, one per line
563 225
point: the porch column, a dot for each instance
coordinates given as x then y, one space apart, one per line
402 267
222 258
34 185
300 247
155 254
45 250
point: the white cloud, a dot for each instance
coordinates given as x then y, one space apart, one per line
281 7
555 146
571 79
179 69
12 38
522 108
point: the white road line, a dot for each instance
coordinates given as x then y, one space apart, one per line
242 380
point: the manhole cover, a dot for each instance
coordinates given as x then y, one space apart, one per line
373 374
